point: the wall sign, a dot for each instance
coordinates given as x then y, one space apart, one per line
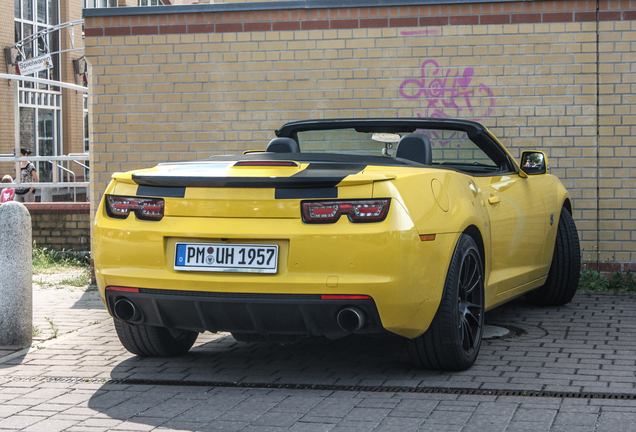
35 64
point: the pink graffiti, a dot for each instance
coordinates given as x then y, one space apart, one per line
445 91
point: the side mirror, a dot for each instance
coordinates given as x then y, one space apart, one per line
534 162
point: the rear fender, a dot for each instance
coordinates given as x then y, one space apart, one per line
441 202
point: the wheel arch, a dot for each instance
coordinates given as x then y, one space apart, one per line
567 204
476 235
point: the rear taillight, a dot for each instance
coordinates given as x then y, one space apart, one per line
144 208
357 211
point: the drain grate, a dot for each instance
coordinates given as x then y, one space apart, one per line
356 388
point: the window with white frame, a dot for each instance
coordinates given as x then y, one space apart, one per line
31 17
40 105
150 3
90 4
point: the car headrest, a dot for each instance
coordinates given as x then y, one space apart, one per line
283 145
415 147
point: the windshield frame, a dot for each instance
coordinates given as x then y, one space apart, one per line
475 131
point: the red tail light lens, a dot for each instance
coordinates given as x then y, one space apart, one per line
357 211
144 208
122 289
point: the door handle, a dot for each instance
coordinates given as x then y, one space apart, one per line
494 200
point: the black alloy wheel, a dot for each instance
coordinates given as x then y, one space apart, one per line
453 339
471 302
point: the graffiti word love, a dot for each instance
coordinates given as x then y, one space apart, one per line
446 91
449 94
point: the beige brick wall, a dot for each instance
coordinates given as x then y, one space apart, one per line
185 86
60 226
617 142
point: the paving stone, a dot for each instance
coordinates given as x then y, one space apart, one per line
588 345
310 427
19 421
270 419
50 425
7 410
520 426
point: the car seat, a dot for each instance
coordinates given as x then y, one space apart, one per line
283 145
415 147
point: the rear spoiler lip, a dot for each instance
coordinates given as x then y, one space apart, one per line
259 182
237 182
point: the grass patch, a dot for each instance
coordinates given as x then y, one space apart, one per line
54 328
78 281
48 261
591 280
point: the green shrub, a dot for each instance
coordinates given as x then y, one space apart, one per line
592 280
44 259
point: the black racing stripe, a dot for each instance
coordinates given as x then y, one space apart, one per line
161 191
341 170
237 182
306 193
316 175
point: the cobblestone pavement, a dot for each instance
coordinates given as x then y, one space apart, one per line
562 369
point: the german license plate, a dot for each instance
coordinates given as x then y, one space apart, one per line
224 257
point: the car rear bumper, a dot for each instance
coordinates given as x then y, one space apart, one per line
387 261
257 314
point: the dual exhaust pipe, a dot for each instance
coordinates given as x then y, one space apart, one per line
349 319
126 311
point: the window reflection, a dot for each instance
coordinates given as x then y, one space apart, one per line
45 142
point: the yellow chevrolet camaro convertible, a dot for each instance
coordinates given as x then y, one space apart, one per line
414 227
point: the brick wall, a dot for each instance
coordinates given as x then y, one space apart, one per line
551 75
61 226
617 140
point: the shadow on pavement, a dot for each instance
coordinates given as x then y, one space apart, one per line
224 360
181 391
90 299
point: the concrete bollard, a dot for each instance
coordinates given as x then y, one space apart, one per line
46 194
16 275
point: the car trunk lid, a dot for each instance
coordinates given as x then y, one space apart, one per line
236 189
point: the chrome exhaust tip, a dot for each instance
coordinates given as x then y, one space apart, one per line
126 311
351 319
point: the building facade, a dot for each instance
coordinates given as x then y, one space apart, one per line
47 119
186 82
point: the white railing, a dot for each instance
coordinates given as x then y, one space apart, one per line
73 157
53 160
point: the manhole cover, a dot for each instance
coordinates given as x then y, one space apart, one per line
494 331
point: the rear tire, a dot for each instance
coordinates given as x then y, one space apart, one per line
149 341
453 340
563 278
